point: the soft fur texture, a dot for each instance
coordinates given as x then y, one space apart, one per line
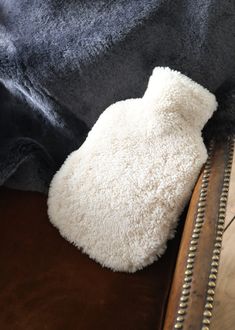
120 195
63 62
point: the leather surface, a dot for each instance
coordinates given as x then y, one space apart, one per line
194 281
46 283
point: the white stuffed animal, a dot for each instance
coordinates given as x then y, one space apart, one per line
119 196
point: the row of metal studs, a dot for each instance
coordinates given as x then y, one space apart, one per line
193 243
218 241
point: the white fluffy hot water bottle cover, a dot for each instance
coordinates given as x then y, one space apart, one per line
119 196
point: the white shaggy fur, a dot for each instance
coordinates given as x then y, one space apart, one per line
120 195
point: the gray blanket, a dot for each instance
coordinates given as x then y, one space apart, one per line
63 62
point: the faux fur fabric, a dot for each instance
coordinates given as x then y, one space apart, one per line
63 62
120 195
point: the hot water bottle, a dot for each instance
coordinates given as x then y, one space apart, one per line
119 196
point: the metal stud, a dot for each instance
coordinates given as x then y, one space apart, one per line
186 285
223 199
183 304
185 292
203 192
211 292
178 325
207 313
202 198
223 202
209 305
192 254
209 298
214 270
200 217
222 214
211 284
201 206
180 318
183 298
223 194
206 321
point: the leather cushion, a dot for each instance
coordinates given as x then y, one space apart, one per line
47 283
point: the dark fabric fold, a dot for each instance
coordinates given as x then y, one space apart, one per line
63 62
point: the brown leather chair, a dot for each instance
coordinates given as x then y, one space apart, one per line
46 283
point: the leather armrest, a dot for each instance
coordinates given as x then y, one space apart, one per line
190 303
